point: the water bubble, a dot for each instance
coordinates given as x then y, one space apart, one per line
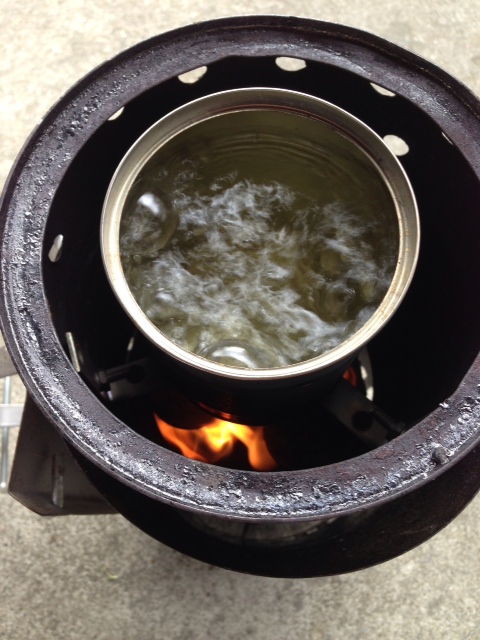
149 227
237 354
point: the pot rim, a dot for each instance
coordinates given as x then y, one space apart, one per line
252 99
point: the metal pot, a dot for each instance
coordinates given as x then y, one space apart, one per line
216 383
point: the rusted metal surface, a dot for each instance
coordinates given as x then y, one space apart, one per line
382 476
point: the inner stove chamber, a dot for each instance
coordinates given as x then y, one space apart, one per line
343 515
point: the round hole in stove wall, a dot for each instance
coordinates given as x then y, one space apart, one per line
396 144
382 91
117 114
290 64
190 77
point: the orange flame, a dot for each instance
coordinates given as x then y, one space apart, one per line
350 376
215 440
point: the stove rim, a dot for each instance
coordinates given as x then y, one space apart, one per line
34 345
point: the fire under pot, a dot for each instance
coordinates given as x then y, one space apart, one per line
336 479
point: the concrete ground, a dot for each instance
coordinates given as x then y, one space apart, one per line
99 577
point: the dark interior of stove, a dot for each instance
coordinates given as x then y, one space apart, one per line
420 357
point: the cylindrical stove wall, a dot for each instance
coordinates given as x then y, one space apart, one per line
426 360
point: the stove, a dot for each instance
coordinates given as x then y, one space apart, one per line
405 461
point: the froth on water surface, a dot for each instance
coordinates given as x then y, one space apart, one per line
259 239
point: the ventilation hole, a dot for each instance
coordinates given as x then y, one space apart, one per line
117 114
383 91
192 76
290 64
398 146
56 249
447 138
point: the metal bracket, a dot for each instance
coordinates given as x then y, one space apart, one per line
45 476
360 415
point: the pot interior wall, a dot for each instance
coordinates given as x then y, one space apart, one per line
426 349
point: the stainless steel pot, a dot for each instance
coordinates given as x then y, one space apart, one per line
355 134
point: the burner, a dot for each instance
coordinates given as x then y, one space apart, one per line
317 430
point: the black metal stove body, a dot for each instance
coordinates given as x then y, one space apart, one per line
363 510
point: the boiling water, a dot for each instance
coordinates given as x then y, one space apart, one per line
259 239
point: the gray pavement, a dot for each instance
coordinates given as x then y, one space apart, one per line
97 576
